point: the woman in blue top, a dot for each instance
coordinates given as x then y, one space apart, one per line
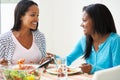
100 45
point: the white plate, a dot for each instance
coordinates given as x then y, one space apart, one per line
72 70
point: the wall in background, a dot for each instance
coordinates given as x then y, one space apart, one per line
0 18
63 19
60 21
7 17
7 14
9 1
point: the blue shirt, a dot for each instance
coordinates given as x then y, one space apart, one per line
107 56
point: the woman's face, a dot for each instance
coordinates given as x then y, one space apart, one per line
30 19
87 24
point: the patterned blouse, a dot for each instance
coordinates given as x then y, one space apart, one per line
7 45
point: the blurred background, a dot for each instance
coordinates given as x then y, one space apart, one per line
59 20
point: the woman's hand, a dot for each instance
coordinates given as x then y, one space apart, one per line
48 56
86 68
3 61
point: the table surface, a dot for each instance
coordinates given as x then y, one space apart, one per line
76 76
47 76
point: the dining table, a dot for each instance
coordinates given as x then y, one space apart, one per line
75 76
50 76
78 76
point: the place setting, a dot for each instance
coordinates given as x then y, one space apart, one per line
61 70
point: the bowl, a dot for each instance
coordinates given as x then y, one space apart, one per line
27 72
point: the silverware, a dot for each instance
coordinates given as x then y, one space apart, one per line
45 62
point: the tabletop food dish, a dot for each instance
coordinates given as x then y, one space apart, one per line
69 71
27 72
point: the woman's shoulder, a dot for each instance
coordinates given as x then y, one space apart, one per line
6 35
37 32
82 38
38 35
114 36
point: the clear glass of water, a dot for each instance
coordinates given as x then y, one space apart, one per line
61 69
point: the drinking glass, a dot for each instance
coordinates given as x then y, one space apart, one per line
61 68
